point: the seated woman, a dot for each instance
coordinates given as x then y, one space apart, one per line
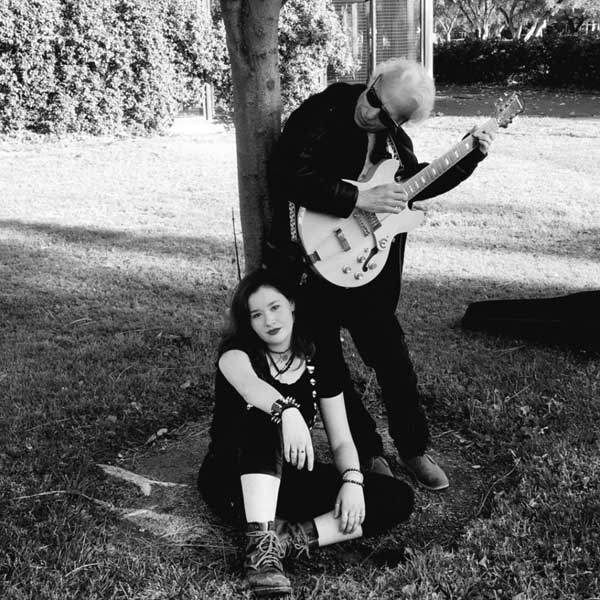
261 465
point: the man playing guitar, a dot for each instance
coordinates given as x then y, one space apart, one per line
335 136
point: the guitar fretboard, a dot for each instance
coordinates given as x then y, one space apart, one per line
425 177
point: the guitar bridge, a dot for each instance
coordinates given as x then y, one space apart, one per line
368 222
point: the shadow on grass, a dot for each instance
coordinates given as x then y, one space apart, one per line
172 245
67 322
582 245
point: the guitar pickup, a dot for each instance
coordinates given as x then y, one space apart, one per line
339 234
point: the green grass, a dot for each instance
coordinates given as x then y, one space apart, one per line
116 264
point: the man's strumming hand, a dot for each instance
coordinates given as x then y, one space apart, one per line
386 198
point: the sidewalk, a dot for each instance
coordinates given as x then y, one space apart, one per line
195 125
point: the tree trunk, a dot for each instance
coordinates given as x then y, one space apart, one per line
451 28
531 32
251 27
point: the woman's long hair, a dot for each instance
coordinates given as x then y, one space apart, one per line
239 333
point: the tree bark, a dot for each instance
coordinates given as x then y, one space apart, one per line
251 28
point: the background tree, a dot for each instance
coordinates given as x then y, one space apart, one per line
523 17
448 18
251 27
570 15
482 17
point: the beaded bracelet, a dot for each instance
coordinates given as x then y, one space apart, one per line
351 471
353 481
279 406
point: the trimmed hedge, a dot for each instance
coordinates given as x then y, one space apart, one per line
103 66
311 41
28 31
99 66
557 61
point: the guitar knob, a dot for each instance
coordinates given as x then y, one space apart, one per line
372 266
358 276
382 243
361 259
346 269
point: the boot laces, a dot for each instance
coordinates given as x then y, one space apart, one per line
300 542
269 550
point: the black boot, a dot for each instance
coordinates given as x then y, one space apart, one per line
297 539
263 568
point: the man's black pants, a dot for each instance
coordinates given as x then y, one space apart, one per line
368 313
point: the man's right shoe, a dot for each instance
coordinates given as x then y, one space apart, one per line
262 567
426 471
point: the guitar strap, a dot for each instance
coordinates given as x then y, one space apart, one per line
393 150
292 217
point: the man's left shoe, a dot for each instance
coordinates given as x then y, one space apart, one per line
426 471
377 464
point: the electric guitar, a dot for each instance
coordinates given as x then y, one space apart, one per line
352 251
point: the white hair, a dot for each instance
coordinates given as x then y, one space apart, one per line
411 82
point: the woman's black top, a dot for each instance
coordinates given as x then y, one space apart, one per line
230 408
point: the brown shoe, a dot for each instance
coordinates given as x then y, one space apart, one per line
297 539
426 471
379 465
263 568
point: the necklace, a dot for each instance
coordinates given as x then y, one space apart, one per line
286 362
279 351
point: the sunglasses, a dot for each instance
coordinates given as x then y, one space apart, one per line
384 116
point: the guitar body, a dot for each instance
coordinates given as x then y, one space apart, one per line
352 251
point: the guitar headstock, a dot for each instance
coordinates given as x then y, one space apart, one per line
508 108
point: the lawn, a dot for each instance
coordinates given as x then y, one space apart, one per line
117 261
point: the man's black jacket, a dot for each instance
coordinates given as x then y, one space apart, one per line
321 144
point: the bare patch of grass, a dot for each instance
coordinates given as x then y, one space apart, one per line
116 262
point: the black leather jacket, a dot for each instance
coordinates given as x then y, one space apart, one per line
321 144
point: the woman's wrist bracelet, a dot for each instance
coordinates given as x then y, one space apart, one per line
279 406
351 471
353 481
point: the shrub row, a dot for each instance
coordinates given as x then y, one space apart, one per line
101 66
98 66
549 61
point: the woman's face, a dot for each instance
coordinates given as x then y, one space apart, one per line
271 317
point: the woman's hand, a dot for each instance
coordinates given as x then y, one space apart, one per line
350 507
297 443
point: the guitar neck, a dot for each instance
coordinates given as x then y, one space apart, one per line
417 183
